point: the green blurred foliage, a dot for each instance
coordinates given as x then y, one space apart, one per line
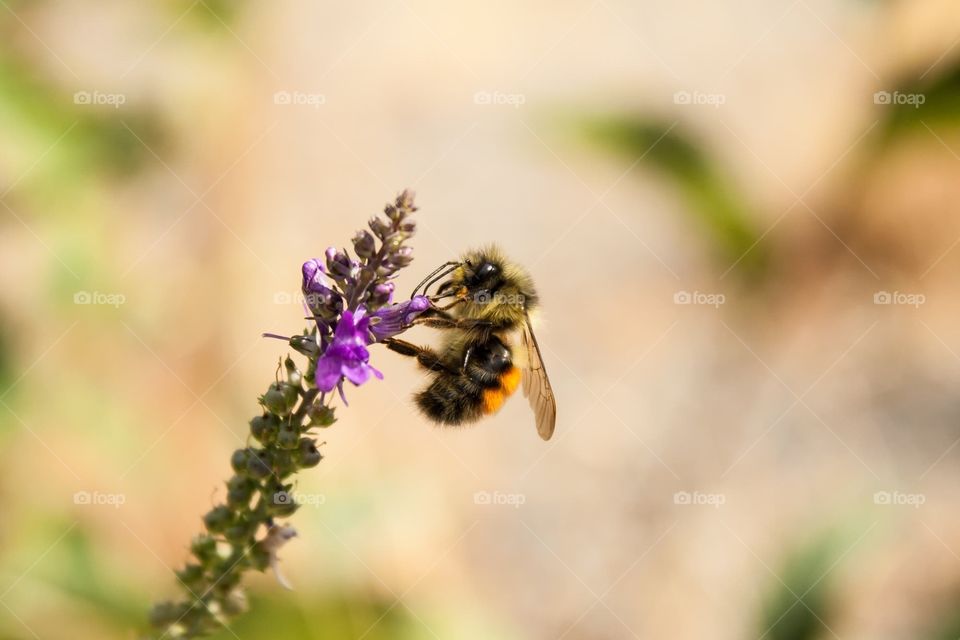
941 105
78 143
211 14
81 575
799 606
715 206
77 569
343 615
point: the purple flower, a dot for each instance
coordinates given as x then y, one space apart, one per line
317 292
340 266
347 355
314 280
381 295
395 318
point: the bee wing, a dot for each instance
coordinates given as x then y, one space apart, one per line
536 384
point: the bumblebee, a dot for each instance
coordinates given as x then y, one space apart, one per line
489 347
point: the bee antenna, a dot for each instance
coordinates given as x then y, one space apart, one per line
446 268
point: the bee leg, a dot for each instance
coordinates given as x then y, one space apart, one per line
426 357
442 322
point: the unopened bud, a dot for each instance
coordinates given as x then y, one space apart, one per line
218 519
239 491
258 466
320 415
364 244
307 453
203 548
288 437
280 398
265 428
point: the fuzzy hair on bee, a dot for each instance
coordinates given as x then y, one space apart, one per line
489 347
488 379
492 289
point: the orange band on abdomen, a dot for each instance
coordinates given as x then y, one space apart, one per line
492 400
510 380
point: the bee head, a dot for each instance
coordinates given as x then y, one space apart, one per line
485 278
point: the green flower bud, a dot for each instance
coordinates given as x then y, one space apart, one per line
258 466
283 464
280 398
239 491
307 453
264 428
281 504
239 460
320 415
289 437
239 532
218 519
294 376
305 345
191 575
228 575
204 548
167 613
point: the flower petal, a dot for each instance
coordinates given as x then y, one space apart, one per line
356 372
328 372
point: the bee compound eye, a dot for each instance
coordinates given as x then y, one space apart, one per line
487 269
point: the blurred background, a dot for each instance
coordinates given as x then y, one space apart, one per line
743 219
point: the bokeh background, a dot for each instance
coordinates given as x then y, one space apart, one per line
743 218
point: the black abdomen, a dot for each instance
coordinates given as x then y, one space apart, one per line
458 398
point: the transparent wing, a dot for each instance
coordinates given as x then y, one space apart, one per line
536 384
